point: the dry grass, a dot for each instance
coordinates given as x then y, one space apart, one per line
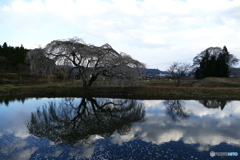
209 88
147 92
218 82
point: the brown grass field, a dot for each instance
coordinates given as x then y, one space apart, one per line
209 88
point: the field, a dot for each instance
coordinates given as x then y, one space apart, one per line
214 82
208 88
146 92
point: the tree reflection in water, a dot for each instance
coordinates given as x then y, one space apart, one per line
176 110
68 123
214 103
6 101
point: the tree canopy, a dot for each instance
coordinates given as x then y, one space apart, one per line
214 62
178 70
12 57
92 61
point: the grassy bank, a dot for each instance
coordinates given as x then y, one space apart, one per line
214 82
208 88
144 92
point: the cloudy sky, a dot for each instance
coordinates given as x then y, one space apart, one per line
156 32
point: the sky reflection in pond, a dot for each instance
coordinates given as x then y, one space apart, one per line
95 128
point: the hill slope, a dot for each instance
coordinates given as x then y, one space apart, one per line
217 82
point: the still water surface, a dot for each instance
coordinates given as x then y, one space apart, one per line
104 128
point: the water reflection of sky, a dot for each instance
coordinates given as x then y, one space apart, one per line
157 137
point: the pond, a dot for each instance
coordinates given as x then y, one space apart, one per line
106 128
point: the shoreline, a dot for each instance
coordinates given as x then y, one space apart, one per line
145 92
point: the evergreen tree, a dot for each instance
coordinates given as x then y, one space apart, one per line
12 56
213 62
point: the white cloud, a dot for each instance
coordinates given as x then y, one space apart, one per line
163 137
16 144
120 139
198 129
203 132
54 154
156 32
86 153
153 104
25 154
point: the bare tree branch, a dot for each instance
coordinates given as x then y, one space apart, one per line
92 61
178 70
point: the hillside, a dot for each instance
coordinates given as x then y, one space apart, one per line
217 82
154 71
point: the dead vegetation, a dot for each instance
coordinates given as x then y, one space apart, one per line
208 88
218 82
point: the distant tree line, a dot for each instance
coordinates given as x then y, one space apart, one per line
12 58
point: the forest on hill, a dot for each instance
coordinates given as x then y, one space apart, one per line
13 59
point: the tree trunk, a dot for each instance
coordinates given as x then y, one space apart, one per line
89 82
85 83
177 82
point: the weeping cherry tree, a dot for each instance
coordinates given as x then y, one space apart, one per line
92 61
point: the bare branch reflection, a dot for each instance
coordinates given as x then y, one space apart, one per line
69 123
176 110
